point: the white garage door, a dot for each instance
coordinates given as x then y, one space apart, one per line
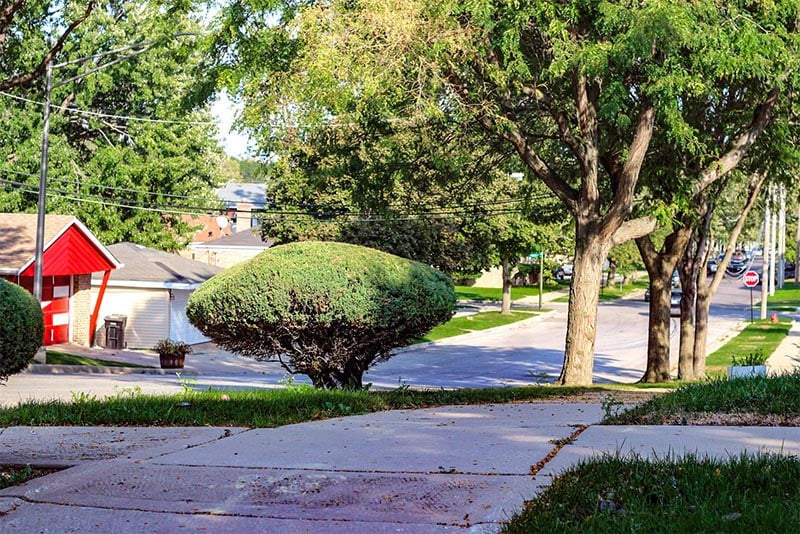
147 311
180 327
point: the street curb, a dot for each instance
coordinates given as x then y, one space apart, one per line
44 369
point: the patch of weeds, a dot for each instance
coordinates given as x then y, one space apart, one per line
611 405
186 384
13 475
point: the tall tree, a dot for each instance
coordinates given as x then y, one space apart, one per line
125 155
50 24
574 88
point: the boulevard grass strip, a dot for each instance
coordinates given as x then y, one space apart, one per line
761 336
63 358
690 494
491 294
253 409
479 321
756 400
609 294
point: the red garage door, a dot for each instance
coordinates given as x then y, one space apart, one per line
56 292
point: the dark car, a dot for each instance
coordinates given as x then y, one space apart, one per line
711 267
789 270
675 302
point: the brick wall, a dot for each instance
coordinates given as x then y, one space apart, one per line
81 309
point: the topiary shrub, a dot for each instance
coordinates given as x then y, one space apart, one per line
21 328
324 309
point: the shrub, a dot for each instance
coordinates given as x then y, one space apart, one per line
21 328
327 310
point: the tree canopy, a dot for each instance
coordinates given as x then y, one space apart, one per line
125 154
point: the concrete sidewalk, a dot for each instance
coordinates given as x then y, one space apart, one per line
440 469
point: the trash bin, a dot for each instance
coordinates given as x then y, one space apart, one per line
115 331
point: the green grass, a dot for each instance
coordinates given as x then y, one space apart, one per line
255 409
690 494
479 321
484 294
786 299
62 358
608 294
774 395
11 475
762 335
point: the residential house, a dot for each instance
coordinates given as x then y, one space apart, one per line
151 291
71 254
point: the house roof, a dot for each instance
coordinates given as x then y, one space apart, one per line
234 193
69 247
146 267
243 239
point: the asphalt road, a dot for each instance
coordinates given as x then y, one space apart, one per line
529 352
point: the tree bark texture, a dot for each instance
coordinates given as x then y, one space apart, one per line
506 306
584 294
660 266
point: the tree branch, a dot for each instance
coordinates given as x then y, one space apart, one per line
761 119
39 71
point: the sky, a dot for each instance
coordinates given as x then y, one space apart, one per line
235 144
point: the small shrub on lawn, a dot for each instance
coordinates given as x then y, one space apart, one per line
21 328
327 310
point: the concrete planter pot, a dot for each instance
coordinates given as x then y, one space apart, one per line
746 371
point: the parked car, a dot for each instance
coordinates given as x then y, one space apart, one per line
789 270
675 302
676 278
711 267
564 272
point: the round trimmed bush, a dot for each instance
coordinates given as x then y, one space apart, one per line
324 309
21 328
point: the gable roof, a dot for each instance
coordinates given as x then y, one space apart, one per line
246 239
234 193
147 267
69 247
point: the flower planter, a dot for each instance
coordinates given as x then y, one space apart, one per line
745 371
172 361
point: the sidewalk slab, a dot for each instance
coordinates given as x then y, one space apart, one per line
30 517
67 446
465 467
489 439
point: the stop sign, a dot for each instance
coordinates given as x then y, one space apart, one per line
750 279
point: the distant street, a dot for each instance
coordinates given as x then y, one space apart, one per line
534 351
525 353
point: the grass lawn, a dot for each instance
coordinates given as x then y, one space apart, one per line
761 336
608 294
741 494
62 358
755 493
496 294
256 408
479 321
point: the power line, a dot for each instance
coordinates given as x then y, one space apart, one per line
78 111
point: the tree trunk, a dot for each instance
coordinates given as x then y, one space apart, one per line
701 328
584 294
612 274
506 306
660 266
706 291
686 343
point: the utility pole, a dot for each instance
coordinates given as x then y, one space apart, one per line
765 259
133 51
781 236
772 242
